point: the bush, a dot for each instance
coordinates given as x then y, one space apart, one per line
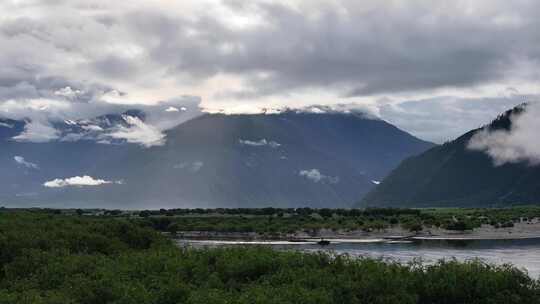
459 225
62 259
507 225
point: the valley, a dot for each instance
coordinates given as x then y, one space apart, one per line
269 152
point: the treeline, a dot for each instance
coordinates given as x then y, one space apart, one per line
324 212
51 258
271 226
274 222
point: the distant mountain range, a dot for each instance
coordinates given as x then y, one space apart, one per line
454 175
289 159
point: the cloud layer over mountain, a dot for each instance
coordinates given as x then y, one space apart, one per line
79 57
520 143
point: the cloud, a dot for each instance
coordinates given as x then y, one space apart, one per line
445 118
43 116
312 174
193 167
38 132
139 132
264 53
92 128
316 176
21 161
68 93
78 181
368 111
6 125
260 143
519 144
54 110
196 166
370 48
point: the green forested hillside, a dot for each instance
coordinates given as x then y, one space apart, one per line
453 175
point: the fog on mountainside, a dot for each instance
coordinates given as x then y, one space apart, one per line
461 173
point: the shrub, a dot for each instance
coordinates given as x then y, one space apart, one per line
49 258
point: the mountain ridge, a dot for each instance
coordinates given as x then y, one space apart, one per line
453 175
219 160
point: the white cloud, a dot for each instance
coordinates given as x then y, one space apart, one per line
139 133
78 181
193 167
259 143
519 144
37 131
93 128
6 125
316 176
40 115
196 167
68 93
367 110
21 161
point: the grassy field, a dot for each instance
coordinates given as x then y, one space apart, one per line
46 257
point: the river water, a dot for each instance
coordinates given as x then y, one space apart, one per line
522 253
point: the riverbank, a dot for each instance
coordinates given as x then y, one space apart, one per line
55 258
520 230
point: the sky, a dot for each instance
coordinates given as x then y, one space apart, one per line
434 68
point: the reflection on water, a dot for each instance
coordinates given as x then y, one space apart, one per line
524 253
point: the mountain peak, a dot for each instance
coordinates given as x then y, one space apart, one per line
504 121
454 175
291 159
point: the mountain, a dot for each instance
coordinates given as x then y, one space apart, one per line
451 175
287 159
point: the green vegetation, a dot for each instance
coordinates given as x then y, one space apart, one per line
46 257
453 175
273 222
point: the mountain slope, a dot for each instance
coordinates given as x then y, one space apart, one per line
453 175
283 160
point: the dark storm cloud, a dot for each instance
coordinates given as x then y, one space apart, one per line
32 87
357 49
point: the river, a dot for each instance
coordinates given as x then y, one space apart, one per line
522 253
